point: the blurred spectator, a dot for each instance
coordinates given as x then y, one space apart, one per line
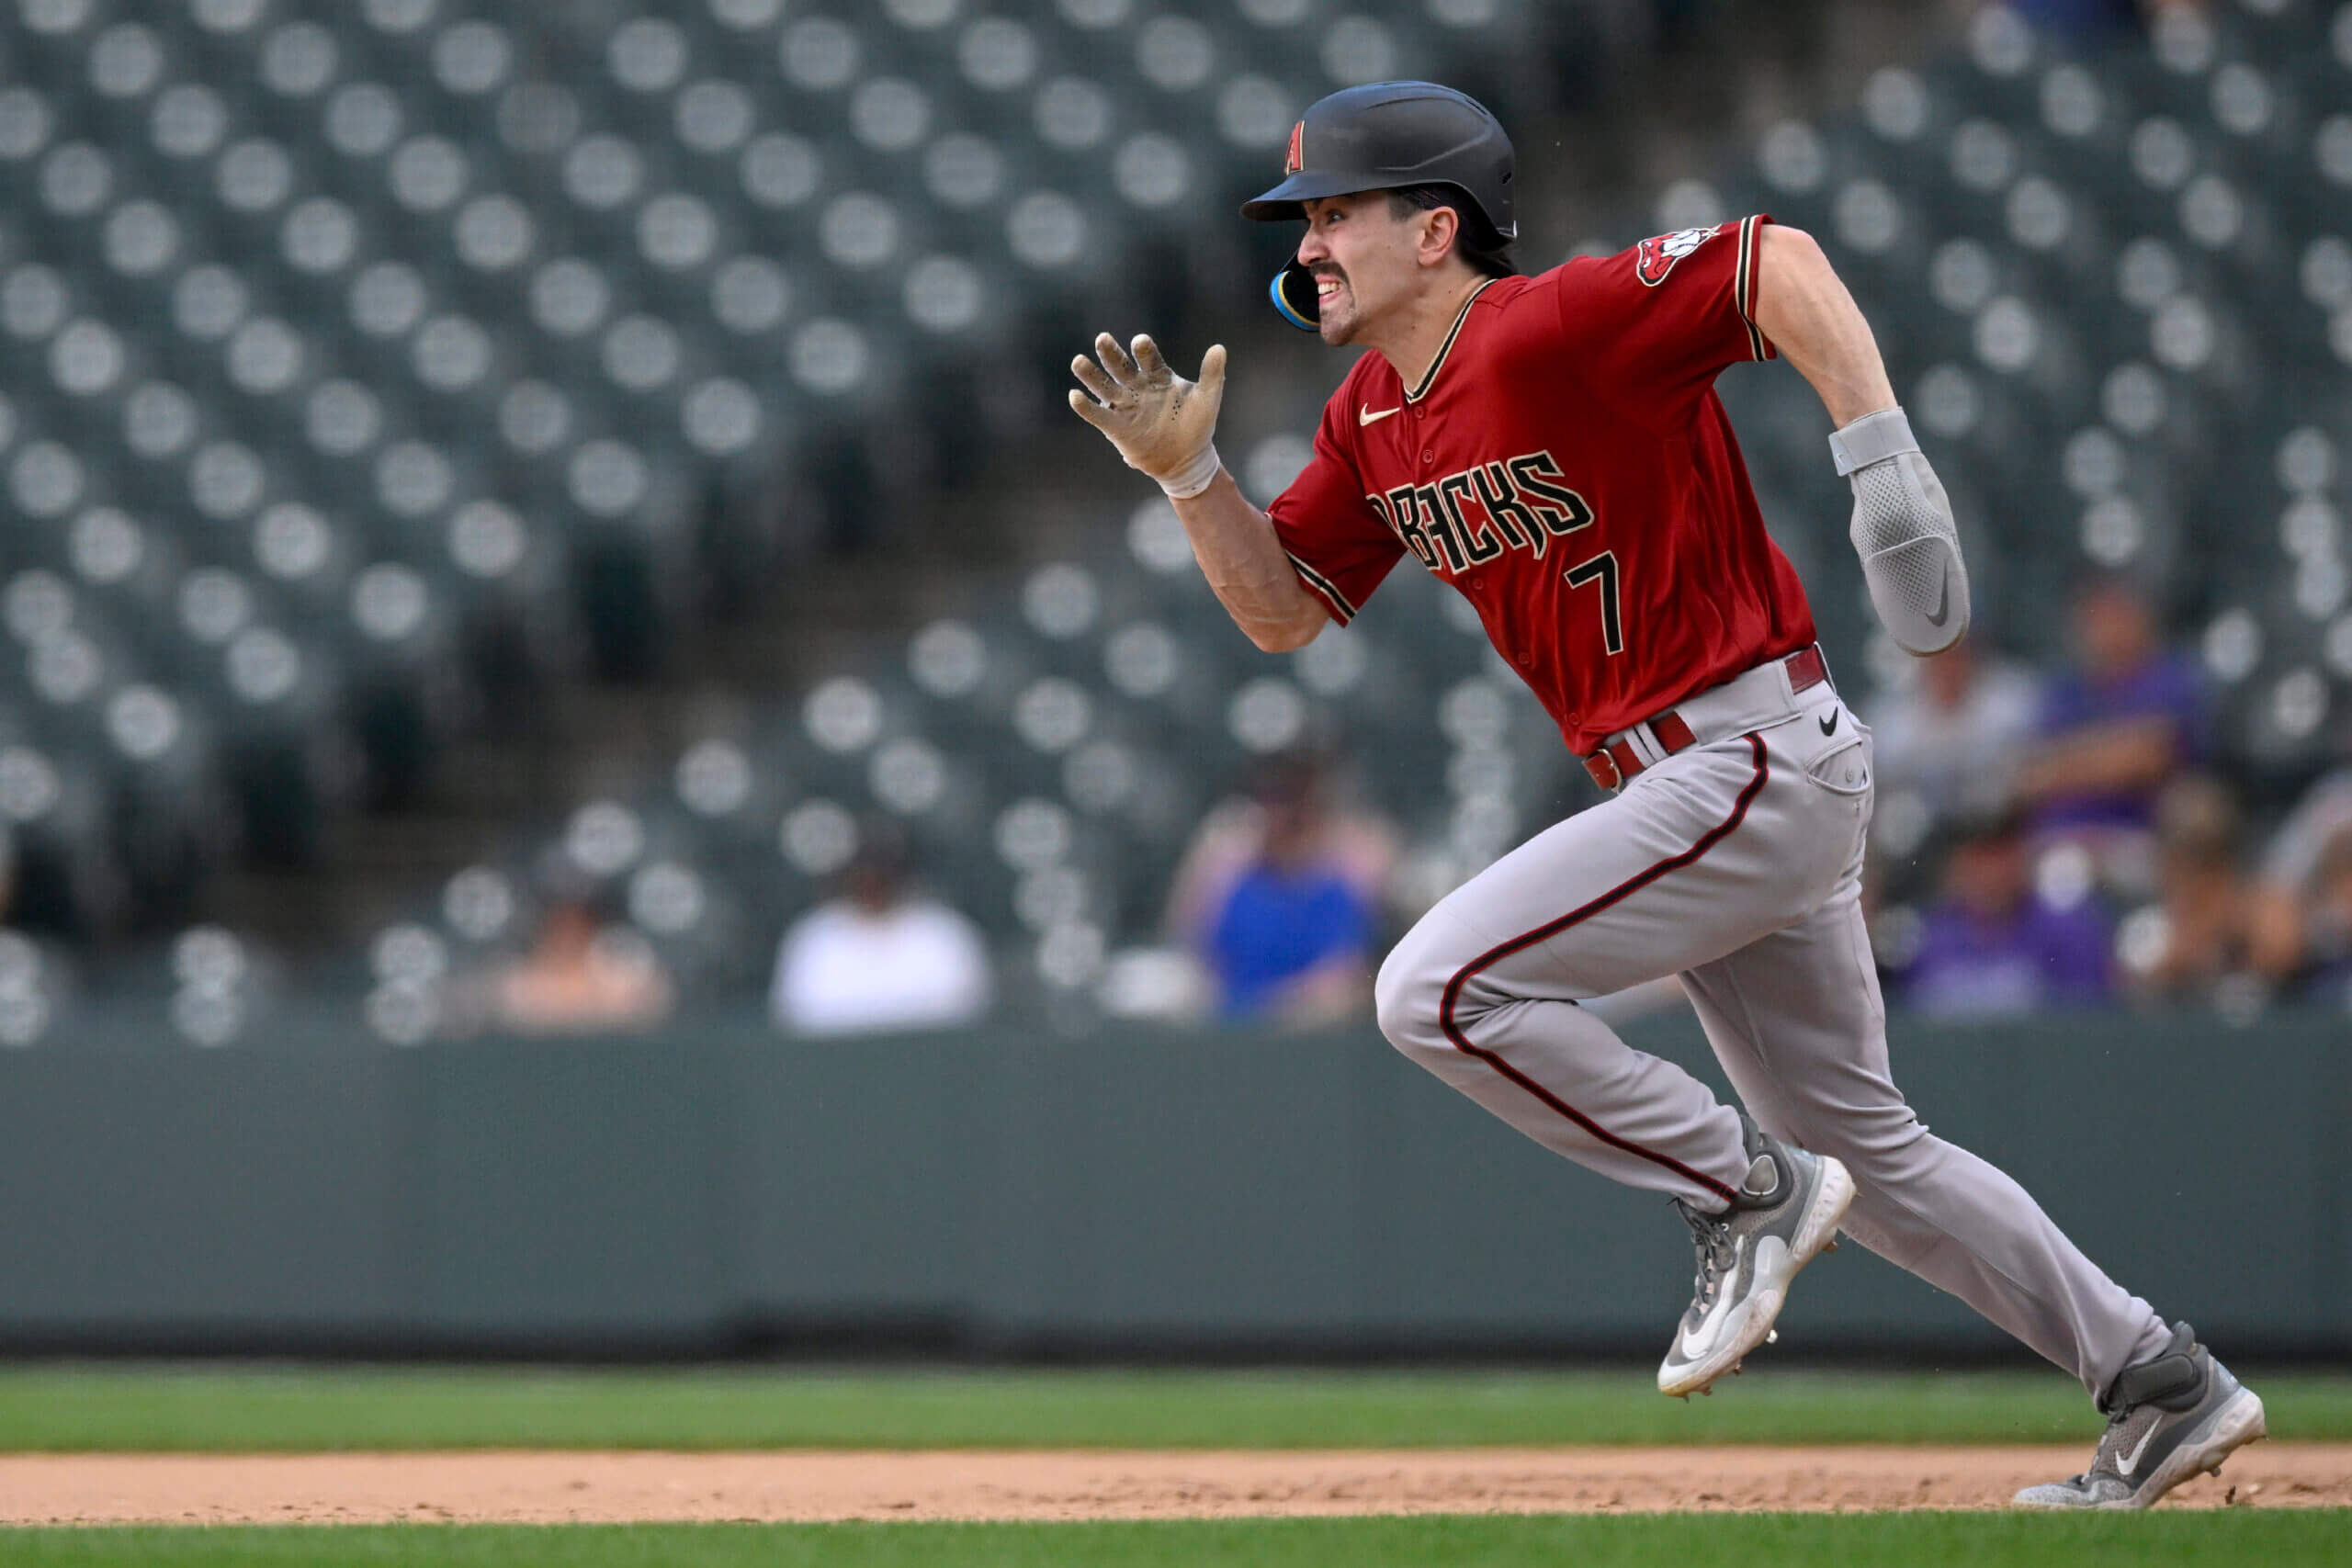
1279 898
1953 737
2078 20
2215 934
1993 945
580 976
2292 863
2309 866
2095 21
2127 718
2326 920
879 955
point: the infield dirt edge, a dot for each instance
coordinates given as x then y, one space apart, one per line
643 1487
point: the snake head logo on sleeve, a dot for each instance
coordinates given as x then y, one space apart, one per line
1656 256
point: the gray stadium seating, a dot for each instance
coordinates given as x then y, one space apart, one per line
348 344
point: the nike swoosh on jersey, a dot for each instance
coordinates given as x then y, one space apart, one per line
2123 1465
1942 611
1364 415
1830 725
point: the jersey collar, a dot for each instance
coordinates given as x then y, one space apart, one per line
1429 377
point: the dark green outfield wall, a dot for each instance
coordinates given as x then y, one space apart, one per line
699 1190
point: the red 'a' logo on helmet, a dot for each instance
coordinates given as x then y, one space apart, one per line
1293 161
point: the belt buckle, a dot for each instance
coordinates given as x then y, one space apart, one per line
1603 769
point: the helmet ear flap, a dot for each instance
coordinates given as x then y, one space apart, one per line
1295 299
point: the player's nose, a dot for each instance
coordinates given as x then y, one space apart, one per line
1312 249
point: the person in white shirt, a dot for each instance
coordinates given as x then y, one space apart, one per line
1953 734
879 956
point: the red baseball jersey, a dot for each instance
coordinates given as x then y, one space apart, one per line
1566 465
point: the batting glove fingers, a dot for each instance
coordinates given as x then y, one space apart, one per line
1160 423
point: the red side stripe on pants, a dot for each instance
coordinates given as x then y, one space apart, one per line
1625 890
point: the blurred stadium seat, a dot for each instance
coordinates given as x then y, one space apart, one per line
381 339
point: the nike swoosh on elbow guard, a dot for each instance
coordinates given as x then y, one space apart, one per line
1942 611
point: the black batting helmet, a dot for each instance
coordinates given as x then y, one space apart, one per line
1386 136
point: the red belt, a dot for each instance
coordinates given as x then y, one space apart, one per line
1616 764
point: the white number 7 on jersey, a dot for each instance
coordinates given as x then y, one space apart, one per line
1604 567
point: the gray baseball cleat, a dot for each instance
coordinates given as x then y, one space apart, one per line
2167 1420
1786 1213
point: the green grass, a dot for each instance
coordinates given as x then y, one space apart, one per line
2279 1540
290 1410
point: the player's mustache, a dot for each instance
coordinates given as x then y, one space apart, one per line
1333 272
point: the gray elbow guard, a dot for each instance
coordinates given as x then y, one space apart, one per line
1903 530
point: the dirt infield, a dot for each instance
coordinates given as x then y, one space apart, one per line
591 1488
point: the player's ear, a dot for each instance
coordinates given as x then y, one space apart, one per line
1440 226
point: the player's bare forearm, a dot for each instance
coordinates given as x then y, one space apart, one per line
2132 753
1803 305
1247 567
1903 529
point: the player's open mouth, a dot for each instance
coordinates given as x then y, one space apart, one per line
1326 288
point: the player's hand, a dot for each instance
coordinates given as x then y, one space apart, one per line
1160 423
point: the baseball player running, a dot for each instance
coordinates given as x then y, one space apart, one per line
1553 448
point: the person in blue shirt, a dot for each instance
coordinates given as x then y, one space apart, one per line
1287 927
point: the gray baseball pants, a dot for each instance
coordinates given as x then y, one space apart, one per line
1735 863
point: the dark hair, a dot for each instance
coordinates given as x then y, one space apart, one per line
1477 243
882 850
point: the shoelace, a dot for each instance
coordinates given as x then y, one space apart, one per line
1712 1232
2113 1422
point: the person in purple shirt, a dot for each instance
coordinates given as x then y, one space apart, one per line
1992 947
2128 717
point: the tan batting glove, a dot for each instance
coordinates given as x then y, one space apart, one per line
1159 422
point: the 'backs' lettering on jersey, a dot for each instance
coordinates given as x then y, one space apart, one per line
1566 465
